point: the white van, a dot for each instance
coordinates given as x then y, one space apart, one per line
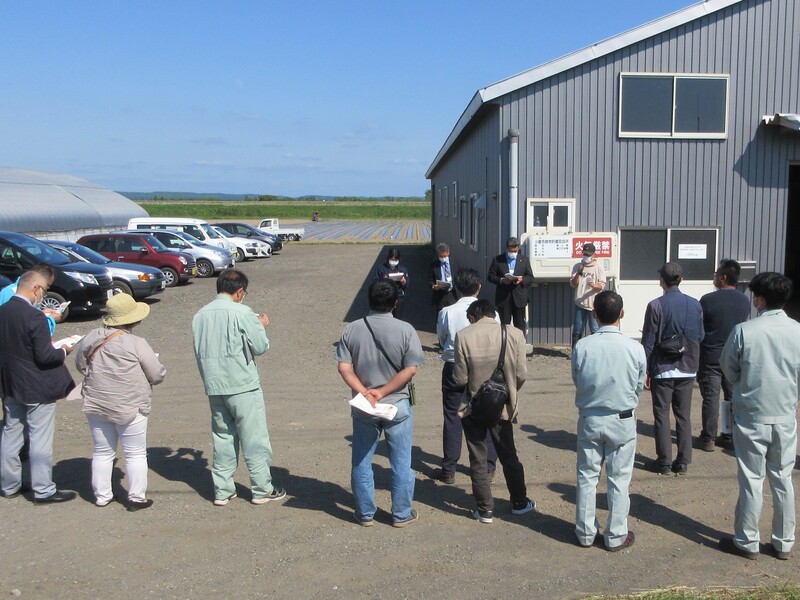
194 227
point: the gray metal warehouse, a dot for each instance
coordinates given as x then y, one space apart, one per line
60 206
676 140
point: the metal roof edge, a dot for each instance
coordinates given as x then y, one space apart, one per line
577 58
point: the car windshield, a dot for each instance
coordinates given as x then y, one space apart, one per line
73 256
222 232
88 254
41 251
211 233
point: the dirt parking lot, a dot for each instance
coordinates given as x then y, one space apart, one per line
309 547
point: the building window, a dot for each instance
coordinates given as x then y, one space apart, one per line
551 215
455 200
473 221
673 105
446 200
464 214
439 202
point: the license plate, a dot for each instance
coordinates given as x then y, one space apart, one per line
194 270
163 284
110 294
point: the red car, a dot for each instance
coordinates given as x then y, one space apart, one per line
142 249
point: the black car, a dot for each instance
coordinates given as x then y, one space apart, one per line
248 231
86 286
4 281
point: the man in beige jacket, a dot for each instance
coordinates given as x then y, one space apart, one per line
477 349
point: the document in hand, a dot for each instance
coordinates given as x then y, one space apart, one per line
396 276
68 341
443 285
382 411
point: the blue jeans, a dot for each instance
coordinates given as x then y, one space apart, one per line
366 435
581 316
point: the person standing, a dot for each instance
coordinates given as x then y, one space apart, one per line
761 358
453 319
477 351
442 272
120 370
670 375
227 337
608 369
33 378
378 356
722 310
511 273
588 278
392 269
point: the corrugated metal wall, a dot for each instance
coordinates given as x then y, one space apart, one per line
569 146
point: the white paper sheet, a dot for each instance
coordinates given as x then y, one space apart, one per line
383 411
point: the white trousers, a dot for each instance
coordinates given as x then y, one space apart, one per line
133 437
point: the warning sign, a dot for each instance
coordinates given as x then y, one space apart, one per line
603 246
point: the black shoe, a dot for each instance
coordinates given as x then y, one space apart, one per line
58 496
727 545
679 468
134 505
656 467
626 544
442 477
725 441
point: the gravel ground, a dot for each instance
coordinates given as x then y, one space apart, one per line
309 547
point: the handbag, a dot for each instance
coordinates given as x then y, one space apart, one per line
673 348
486 406
412 391
77 391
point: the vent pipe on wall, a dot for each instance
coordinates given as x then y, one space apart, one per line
513 181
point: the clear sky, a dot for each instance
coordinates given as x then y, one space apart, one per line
329 97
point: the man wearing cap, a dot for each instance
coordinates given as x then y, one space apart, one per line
227 337
589 279
511 274
671 367
33 378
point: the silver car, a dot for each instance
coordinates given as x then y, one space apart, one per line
210 259
246 247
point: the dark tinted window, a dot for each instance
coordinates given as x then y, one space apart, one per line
647 104
700 105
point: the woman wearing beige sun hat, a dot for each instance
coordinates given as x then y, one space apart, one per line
120 370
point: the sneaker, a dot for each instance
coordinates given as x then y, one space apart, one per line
779 554
104 503
525 506
224 501
626 544
727 545
482 516
707 444
364 521
277 494
409 519
442 477
657 467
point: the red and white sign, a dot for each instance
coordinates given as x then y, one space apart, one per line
603 246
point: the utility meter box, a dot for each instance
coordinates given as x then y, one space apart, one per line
553 256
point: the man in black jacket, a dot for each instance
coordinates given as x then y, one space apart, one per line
33 378
511 274
442 271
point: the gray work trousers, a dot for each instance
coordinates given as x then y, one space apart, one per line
39 420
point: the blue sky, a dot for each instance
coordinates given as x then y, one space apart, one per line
326 97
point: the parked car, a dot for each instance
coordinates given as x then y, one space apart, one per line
291 234
248 231
139 281
210 259
4 281
143 249
85 286
197 228
246 248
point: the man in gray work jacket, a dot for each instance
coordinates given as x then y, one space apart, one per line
762 360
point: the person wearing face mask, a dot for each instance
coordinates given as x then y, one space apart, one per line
392 269
442 271
511 274
227 337
589 279
33 377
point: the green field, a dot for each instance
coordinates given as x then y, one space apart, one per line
289 210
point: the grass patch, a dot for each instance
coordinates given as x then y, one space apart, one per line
406 211
785 591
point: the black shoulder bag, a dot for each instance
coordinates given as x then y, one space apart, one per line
486 406
412 392
674 347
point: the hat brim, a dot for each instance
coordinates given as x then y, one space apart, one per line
137 314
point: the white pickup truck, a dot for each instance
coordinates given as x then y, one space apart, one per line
291 234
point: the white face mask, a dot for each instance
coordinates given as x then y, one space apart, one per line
511 255
586 260
394 263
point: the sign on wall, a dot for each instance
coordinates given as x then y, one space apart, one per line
603 246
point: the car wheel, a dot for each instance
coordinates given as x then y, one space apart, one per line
292 238
204 268
240 255
53 301
170 276
120 287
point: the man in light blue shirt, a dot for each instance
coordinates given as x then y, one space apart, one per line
762 360
609 370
